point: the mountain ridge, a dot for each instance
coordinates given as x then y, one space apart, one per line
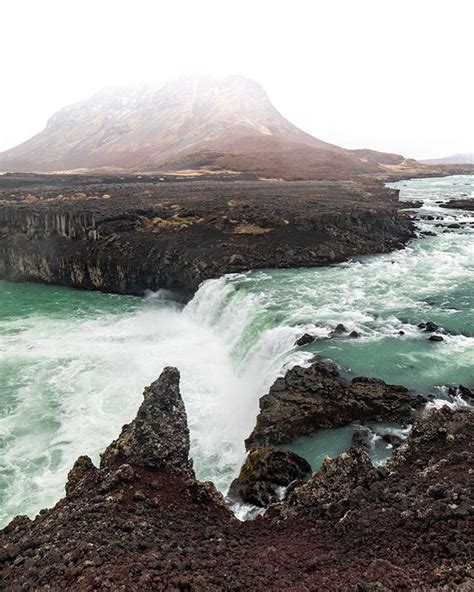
459 158
192 124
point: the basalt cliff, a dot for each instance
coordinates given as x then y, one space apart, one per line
130 234
142 521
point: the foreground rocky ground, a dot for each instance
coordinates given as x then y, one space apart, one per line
141 521
129 234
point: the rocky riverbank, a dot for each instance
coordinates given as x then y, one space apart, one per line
130 234
309 399
141 521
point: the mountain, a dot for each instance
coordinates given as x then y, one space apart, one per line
467 158
192 124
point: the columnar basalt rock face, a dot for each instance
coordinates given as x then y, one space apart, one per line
44 224
309 399
138 234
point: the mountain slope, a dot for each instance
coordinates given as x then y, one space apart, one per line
195 123
467 158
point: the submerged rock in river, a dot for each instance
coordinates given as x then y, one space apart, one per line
265 475
309 399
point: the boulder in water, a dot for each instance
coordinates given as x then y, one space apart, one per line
459 204
266 473
305 339
428 326
436 338
361 438
340 329
392 439
465 393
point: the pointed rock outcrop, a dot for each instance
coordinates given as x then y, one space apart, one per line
158 438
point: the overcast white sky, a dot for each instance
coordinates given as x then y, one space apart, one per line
394 75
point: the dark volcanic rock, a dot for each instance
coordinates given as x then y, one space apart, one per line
361 438
435 338
459 204
314 398
129 234
412 204
305 339
350 482
392 439
265 472
428 326
158 438
351 527
334 482
466 393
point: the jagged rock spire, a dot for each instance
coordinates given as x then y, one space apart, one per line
158 438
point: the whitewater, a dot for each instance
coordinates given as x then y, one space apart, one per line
73 364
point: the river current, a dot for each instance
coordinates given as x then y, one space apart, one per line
73 364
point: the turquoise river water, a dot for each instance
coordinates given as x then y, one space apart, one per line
73 364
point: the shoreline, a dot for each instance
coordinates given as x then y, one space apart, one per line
131 237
